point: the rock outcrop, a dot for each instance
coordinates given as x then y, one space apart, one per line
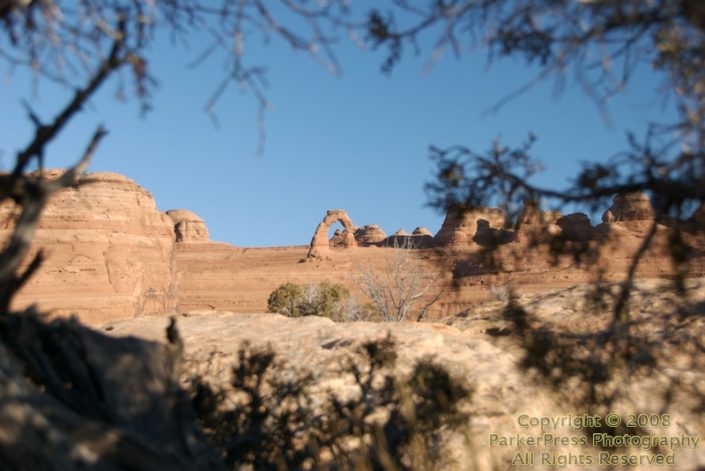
488 236
370 234
576 227
535 224
421 238
484 350
421 232
320 242
340 239
109 252
629 207
188 227
459 227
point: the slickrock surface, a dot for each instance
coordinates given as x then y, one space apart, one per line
477 346
319 345
110 252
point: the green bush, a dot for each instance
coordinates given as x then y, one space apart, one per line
325 299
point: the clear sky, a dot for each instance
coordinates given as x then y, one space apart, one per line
358 141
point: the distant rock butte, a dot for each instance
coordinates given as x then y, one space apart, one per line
110 252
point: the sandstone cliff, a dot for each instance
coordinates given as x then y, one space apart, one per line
460 227
110 252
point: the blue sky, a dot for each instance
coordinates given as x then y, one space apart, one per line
358 141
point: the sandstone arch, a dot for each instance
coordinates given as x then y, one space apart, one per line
320 243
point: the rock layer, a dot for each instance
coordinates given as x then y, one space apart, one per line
576 227
188 227
533 223
629 207
109 252
460 227
370 234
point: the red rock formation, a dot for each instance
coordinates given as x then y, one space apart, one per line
320 242
460 227
421 232
629 207
576 227
532 223
340 239
110 252
188 227
370 234
488 236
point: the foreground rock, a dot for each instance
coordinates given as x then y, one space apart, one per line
480 347
72 398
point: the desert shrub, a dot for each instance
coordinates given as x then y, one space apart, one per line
401 290
285 300
326 299
390 422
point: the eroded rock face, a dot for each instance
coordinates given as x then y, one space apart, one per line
488 236
459 228
370 234
188 227
535 223
110 254
576 227
629 207
340 239
320 242
400 239
421 231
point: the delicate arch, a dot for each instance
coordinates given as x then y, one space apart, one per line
320 242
